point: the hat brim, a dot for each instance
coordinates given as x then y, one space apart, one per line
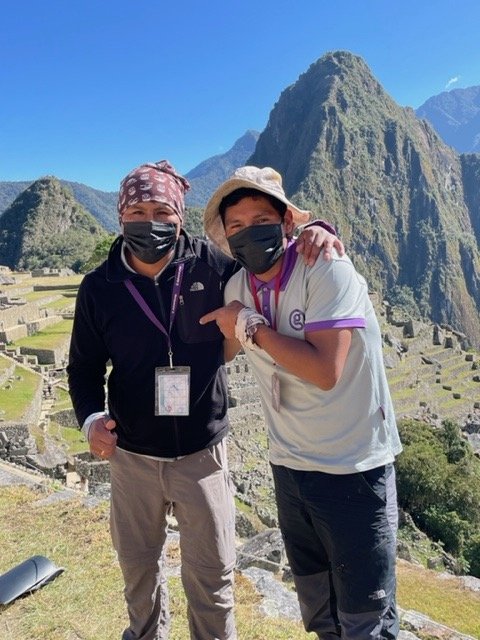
212 220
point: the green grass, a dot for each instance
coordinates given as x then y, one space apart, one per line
63 299
86 601
67 304
49 337
71 438
55 282
62 399
5 364
442 599
34 296
16 395
38 296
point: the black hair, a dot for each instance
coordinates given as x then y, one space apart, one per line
249 192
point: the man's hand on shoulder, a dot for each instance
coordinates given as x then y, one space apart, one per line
313 239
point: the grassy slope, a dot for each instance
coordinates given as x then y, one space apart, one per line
16 394
86 601
50 337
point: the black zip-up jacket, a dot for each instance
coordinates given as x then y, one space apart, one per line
109 325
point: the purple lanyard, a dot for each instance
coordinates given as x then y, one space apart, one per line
173 309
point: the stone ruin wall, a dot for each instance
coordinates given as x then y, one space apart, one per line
16 443
7 373
15 439
55 357
20 314
20 321
245 410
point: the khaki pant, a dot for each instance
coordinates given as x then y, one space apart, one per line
198 487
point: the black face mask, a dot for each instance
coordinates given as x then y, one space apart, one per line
149 241
257 248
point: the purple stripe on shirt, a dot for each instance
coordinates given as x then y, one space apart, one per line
289 259
338 323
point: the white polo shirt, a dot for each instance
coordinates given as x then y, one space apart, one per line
351 427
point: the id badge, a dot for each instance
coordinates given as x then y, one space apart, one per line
172 391
276 392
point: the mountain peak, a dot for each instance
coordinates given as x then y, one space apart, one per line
46 227
349 153
206 176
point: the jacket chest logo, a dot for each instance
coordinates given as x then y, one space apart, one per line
197 286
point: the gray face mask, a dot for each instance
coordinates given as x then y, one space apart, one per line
149 241
257 248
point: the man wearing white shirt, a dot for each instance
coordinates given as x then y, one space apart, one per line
313 340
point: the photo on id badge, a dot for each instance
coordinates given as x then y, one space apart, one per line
172 391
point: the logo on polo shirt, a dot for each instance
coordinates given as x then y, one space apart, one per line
297 319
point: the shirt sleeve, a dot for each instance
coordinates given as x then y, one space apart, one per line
336 295
87 359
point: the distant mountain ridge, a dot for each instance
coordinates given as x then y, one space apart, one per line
204 179
9 191
455 115
207 176
406 204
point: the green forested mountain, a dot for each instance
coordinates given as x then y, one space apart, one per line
406 204
101 204
46 227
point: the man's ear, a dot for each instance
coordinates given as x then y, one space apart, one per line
288 223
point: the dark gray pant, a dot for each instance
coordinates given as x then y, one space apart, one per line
340 539
199 488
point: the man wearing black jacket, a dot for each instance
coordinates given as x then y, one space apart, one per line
165 426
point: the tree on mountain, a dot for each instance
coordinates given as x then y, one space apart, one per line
99 254
439 485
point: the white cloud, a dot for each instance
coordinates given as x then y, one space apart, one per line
452 81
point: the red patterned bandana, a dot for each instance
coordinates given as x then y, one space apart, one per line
153 182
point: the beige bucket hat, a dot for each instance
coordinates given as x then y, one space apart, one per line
267 180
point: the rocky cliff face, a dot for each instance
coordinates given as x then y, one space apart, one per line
46 227
471 187
404 202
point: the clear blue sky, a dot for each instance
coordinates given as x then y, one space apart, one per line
91 88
